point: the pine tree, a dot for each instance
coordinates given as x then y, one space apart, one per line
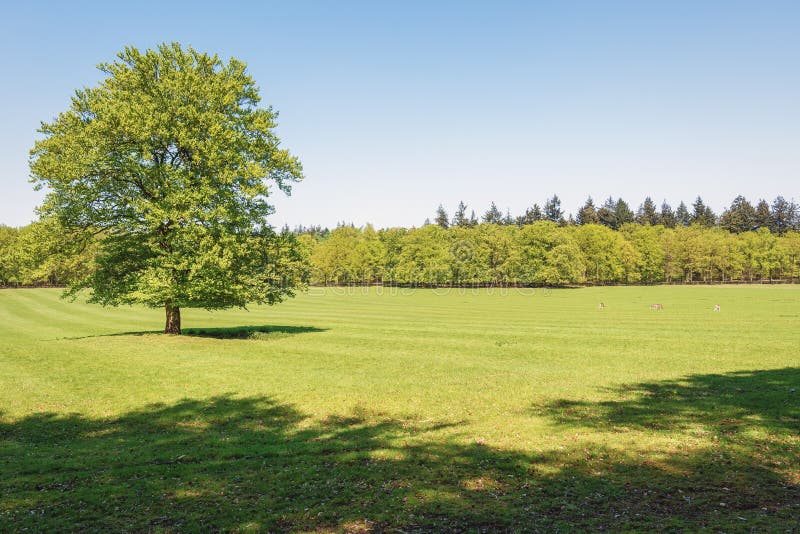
493 215
702 214
763 217
508 220
441 217
667 216
473 220
682 215
783 215
647 213
710 217
607 214
622 213
588 213
526 218
739 217
552 210
460 218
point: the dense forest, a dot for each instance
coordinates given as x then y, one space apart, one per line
609 244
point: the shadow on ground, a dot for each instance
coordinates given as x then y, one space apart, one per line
231 463
233 332
727 403
251 332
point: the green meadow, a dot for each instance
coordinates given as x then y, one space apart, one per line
352 409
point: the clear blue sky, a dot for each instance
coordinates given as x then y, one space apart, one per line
396 107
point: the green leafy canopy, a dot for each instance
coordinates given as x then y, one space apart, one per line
170 162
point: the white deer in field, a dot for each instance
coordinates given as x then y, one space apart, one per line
716 307
657 307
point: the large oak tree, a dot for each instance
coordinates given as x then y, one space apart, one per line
170 161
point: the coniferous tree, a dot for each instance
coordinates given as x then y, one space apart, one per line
647 213
607 214
698 211
710 217
622 213
526 218
667 216
508 220
493 215
553 211
441 217
763 217
460 218
588 213
682 215
783 216
702 214
530 216
473 220
739 217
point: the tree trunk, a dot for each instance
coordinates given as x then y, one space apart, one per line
173 325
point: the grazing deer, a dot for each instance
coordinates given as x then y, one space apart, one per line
602 306
657 307
716 307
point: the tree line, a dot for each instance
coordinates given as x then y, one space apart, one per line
779 217
601 246
609 244
44 253
546 253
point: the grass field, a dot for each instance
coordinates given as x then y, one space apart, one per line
361 410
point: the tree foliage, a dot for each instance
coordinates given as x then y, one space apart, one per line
546 253
169 161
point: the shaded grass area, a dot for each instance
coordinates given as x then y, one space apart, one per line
251 332
230 463
726 404
232 332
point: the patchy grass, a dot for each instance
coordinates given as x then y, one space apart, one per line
351 410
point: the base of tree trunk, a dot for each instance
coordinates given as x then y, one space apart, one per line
173 325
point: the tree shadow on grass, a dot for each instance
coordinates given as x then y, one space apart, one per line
738 439
251 332
233 332
229 463
730 403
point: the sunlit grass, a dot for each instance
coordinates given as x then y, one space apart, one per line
351 409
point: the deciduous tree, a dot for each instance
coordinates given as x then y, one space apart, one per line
170 159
